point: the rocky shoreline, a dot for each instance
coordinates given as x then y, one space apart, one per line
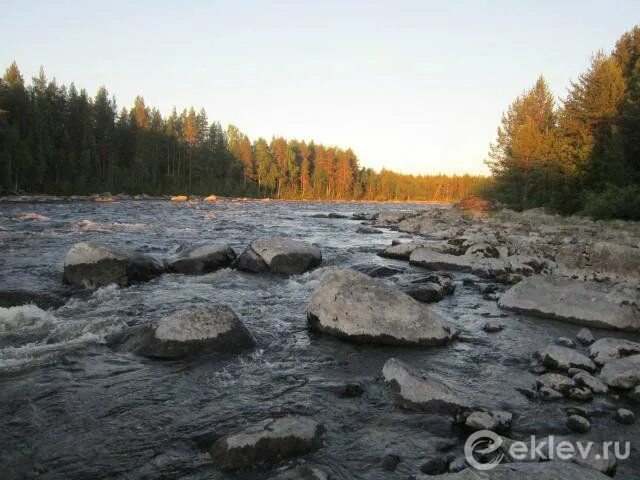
568 270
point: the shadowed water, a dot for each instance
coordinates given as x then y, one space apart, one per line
71 408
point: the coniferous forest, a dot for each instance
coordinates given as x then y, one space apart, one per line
579 155
59 140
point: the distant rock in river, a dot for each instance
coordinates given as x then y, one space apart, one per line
279 255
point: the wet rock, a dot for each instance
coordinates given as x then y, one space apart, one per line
585 337
368 230
563 358
94 265
364 216
267 443
302 473
345 390
584 303
624 416
607 349
583 379
414 391
401 251
186 333
565 342
377 271
279 255
497 421
425 292
200 259
555 381
436 465
15 298
390 462
355 307
580 394
336 215
526 471
458 465
578 424
493 327
623 373
549 394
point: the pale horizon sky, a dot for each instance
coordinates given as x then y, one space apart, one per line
412 86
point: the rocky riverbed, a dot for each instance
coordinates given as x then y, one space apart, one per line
225 339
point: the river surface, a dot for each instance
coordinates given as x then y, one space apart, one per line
70 408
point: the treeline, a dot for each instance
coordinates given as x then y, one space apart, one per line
582 155
57 139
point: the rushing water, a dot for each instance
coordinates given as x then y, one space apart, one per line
70 408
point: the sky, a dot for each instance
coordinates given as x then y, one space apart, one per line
411 86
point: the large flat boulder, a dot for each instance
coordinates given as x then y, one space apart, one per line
186 333
482 267
267 443
414 391
358 308
200 259
279 255
623 373
583 303
524 471
94 265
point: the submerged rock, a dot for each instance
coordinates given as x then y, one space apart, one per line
525 471
624 416
355 307
197 260
574 301
267 443
368 230
279 255
15 298
416 392
185 333
93 265
302 473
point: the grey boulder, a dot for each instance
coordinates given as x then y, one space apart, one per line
200 259
279 255
267 443
623 373
607 349
563 358
93 265
357 308
186 333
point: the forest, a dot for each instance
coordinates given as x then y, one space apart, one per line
580 154
59 140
